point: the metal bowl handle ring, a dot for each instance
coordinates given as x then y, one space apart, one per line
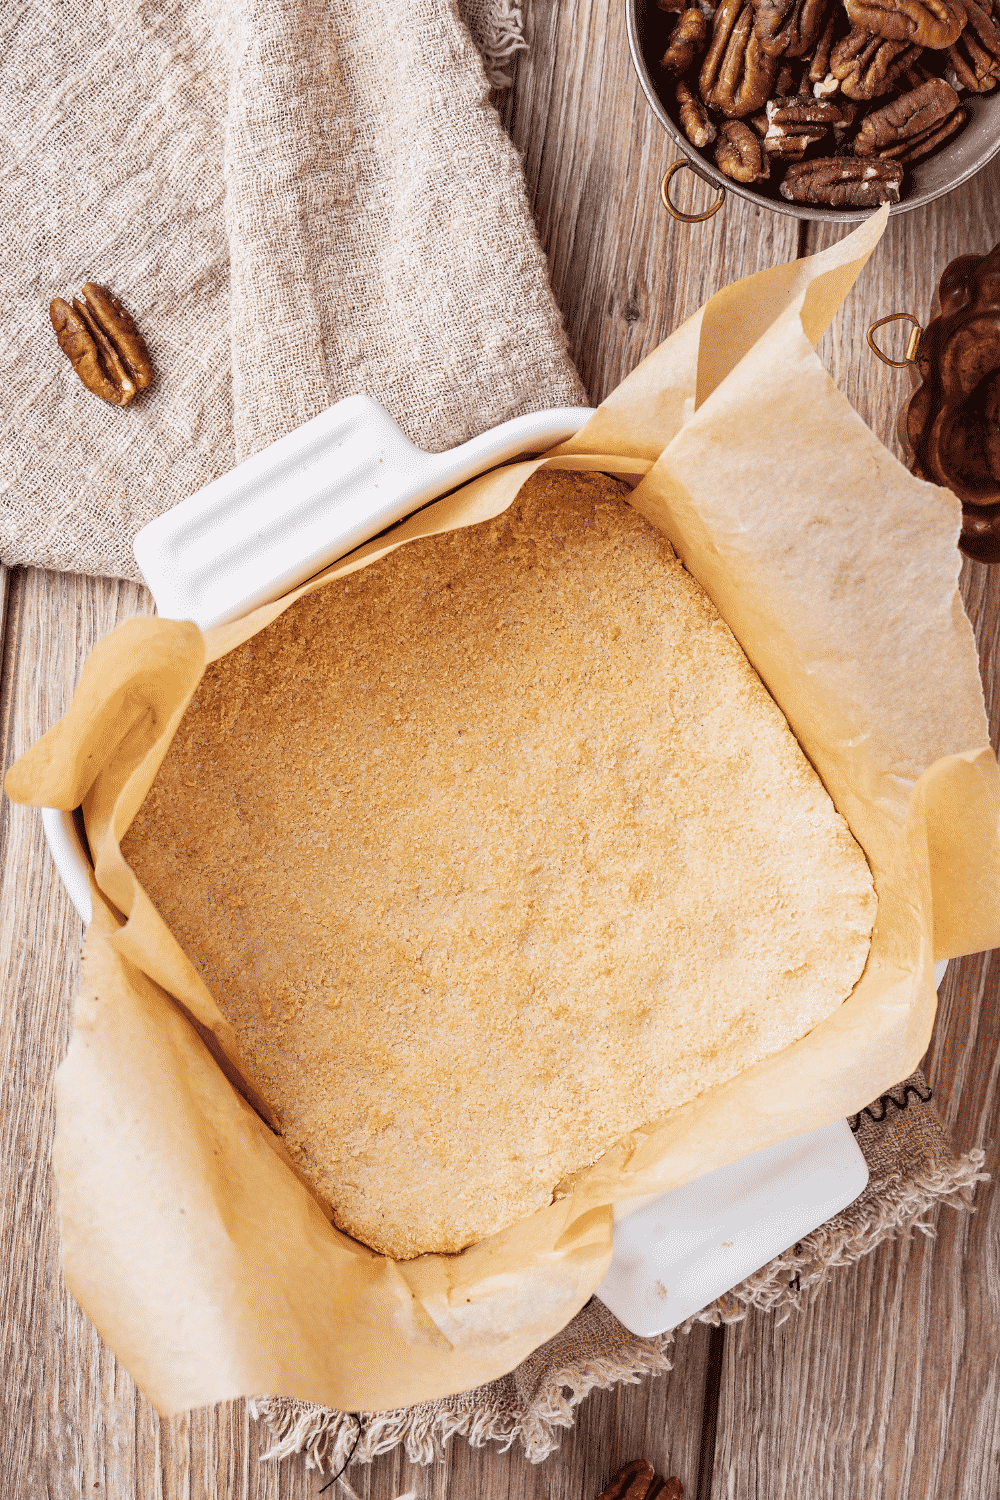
675 213
913 343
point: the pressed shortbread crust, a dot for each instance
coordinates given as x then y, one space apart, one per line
492 852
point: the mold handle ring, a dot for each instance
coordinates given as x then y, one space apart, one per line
913 343
675 213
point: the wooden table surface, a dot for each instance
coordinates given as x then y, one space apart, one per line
889 1386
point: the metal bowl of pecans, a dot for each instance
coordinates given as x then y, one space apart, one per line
824 109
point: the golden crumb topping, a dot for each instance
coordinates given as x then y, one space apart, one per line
491 853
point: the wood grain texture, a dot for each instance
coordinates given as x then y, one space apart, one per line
889 1385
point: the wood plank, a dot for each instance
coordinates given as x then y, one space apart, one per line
71 1420
50 1443
659 1419
889 1385
624 273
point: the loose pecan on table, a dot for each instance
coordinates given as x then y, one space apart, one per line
736 76
102 343
687 41
866 65
740 154
842 182
910 126
694 116
789 28
639 1481
925 23
975 57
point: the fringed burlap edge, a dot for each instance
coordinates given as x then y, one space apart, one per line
496 1413
497 28
792 1280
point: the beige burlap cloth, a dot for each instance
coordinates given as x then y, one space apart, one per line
299 202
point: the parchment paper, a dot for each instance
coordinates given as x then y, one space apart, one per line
204 1261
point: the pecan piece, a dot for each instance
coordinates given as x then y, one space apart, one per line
687 41
867 65
639 1481
925 23
694 117
739 153
843 182
975 57
908 123
102 343
736 76
785 82
789 28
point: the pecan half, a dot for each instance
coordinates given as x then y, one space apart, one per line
806 110
793 124
975 57
639 1481
736 76
904 127
687 41
819 66
842 182
916 150
739 153
694 117
789 28
867 65
926 23
102 343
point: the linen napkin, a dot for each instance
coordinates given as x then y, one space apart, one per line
296 202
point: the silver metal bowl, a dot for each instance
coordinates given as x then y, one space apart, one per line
961 158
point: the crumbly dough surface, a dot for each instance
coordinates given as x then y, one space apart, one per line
493 852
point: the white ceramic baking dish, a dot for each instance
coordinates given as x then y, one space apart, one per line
276 521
